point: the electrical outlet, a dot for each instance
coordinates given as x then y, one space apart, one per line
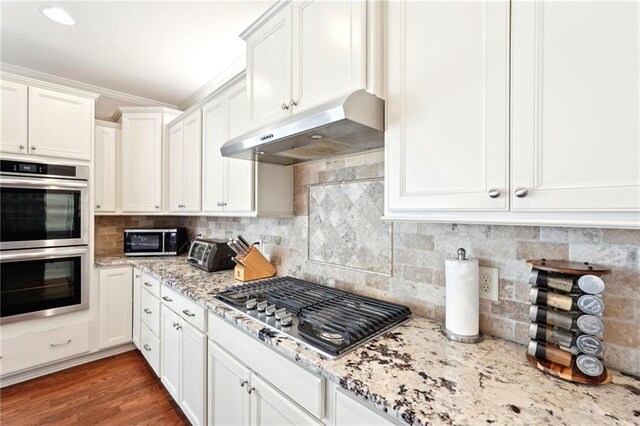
489 283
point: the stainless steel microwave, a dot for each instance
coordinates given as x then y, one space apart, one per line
155 242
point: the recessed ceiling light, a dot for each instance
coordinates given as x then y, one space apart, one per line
57 15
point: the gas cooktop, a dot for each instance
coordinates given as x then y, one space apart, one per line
330 321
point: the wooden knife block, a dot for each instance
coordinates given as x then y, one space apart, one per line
256 267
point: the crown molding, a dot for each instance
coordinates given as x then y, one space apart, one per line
144 109
54 79
232 71
275 8
107 124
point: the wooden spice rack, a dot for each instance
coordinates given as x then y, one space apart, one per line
569 270
256 267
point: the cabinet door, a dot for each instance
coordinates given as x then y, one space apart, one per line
115 307
142 162
176 166
106 143
213 137
575 105
60 125
191 193
228 397
170 353
137 283
329 47
270 407
193 374
269 70
238 174
349 411
447 105
13 117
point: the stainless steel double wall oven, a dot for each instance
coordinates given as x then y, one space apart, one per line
44 237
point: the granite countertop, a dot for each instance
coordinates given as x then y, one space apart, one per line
417 376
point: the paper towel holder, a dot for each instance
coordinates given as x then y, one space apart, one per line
457 337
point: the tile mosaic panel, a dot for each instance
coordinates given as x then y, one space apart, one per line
345 228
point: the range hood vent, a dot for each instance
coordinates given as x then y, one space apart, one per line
347 125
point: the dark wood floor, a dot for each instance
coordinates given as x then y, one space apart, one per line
119 390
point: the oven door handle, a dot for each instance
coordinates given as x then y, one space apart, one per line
42 183
48 253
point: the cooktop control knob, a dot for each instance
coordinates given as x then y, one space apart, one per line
286 320
280 313
251 304
262 306
270 310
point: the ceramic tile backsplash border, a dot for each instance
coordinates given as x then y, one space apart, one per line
419 251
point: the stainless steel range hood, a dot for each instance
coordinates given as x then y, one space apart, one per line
347 125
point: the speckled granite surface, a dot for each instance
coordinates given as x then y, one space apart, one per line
418 377
177 273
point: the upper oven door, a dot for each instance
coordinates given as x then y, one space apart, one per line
143 242
43 212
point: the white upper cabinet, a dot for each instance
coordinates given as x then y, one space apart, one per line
142 162
238 174
213 137
303 53
534 124
184 163
60 124
447 105
329 50
269 65
107 140
576 106
143 133
13 113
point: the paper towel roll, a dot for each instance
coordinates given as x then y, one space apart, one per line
462 315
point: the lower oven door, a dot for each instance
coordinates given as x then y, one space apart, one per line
43 282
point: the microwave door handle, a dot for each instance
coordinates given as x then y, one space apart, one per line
42 183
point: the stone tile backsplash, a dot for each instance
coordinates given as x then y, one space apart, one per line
418 252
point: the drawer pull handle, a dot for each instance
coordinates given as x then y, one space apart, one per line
147 284
250 390
168 299
243 382
147 311
147 348
137 276
187 313
60 344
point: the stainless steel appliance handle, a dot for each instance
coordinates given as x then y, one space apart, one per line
42 183
48 253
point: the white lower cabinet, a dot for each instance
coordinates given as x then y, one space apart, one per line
44 346
137 282
270 407
349 411
183 367
228 398
115 308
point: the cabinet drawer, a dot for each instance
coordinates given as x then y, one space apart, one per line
45 346
150 311
151 284
150 348
193 313
299 384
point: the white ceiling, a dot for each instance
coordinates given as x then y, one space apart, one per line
163 51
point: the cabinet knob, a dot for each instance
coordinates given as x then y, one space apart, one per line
494 193
293 103
147 311
147 348
521 192
137 276
219 204
250 390
284 106
157 207
21 146
224 204
97 206
33 148
243 382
